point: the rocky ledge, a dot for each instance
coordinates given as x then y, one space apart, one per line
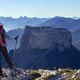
40 74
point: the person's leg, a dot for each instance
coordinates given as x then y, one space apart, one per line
0 71
7 58
0 66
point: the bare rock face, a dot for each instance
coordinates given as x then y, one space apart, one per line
45 37
46 47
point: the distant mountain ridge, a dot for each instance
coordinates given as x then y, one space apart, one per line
62 22
13 23
58 22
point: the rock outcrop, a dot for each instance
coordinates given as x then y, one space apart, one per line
40 74
46 47
45 37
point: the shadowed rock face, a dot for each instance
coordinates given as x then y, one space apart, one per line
46 47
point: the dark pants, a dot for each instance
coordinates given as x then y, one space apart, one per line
4 52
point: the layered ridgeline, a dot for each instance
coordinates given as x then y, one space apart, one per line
46 47
14 23
71 24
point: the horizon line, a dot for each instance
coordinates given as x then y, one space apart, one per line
40 17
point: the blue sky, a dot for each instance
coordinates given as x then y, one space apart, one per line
40 8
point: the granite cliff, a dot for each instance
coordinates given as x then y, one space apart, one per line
46 47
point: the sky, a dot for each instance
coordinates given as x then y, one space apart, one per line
40 8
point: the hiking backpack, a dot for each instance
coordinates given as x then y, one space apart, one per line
2 37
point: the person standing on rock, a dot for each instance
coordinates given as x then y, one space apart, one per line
3 49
